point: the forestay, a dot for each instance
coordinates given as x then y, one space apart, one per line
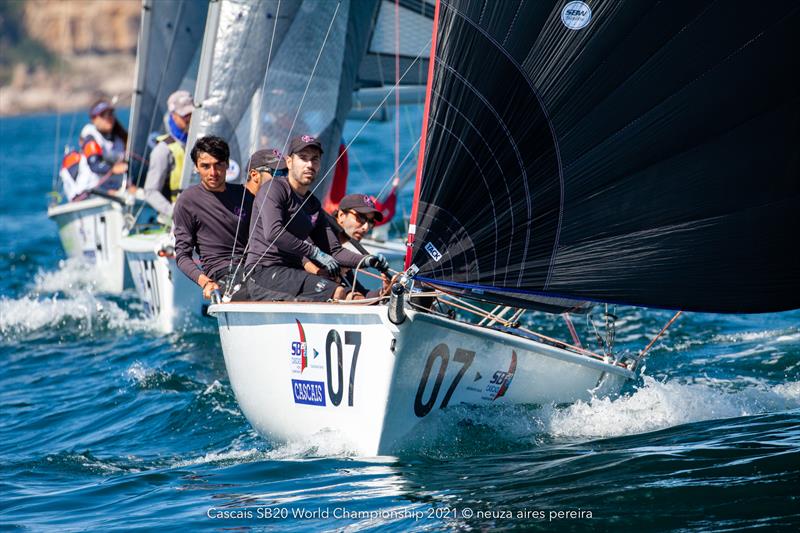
635 152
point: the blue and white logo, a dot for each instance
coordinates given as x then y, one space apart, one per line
308 392
576 15
433 252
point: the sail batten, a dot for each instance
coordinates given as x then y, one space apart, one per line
637 153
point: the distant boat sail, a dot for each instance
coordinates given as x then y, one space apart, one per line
642 153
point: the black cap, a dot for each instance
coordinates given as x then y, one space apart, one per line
360 203
303 141
269 157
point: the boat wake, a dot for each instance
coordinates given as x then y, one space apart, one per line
67 298
653 406
659 405
72 275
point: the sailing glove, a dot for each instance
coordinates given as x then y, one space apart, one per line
378 262
327 261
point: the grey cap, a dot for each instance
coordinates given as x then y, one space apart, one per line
180 102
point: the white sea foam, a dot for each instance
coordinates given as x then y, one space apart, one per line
66 295
72 275
659 405
325 443
226 457
33 313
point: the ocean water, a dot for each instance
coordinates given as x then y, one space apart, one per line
106 424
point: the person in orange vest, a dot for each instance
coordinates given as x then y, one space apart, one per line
101 158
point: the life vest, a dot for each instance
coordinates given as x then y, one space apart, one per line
172 186
80 178
95 143
70 166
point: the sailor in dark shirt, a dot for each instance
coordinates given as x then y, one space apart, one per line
290 226
213 219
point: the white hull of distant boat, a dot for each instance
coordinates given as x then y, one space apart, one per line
170 298
91 230
301 369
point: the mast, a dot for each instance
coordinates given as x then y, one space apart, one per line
203 82
412 226
142 54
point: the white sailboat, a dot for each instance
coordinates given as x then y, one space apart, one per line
167 60
555 137
90 230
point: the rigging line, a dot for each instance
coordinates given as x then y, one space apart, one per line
157 98
394 177
56 147
327 173
286 142
310 78
660 333
325 176
396 81
360 166
253 142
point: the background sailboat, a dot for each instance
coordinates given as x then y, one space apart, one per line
167 60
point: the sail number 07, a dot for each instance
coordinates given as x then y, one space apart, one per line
440 353
352 338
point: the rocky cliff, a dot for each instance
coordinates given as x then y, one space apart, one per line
93 46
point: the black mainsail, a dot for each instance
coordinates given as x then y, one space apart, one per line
643 153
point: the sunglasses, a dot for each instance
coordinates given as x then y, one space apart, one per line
362 219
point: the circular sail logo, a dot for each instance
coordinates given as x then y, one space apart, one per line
576 15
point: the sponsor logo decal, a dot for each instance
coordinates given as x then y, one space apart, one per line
433 252
501 381
576 15
299 353
308 392
308 138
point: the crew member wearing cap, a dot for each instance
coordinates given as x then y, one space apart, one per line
354 218
213 219
163 182
262 167
102 153
290 226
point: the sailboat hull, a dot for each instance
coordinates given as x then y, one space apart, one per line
169 297
90 230
301 369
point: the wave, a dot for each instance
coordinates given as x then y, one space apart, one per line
66 297
83 313
72 275
659 405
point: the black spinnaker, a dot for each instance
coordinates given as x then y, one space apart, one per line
643 153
